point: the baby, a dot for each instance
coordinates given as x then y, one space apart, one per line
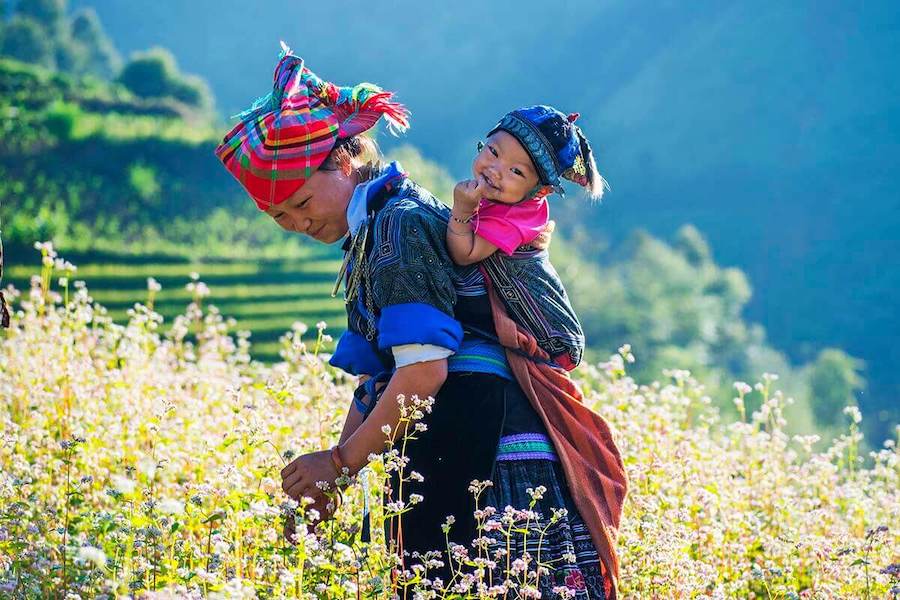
505 208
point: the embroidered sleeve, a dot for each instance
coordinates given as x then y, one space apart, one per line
412 278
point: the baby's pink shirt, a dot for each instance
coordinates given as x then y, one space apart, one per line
508 226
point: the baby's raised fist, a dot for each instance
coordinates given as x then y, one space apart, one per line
467 194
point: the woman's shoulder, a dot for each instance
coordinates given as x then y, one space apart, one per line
410 206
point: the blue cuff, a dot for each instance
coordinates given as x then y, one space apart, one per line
355 355
417 323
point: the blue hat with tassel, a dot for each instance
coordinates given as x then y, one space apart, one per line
557 147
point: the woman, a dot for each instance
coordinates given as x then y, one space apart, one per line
411 316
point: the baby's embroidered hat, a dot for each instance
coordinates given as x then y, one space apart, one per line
557 146
286 135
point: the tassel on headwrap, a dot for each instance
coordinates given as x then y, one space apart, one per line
286 135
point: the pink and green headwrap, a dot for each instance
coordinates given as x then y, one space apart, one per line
285 136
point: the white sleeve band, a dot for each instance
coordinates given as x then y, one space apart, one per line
407 354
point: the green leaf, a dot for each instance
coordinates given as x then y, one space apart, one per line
216 516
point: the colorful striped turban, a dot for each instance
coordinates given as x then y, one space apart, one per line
284 137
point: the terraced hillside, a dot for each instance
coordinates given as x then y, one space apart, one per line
265 297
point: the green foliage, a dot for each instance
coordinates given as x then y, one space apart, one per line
691 244
677 309
41 223
25 40
193 91
155 74
69 57
114 169
50 13
144 182
40 33
834 381
150 74
266 293
60 119
429 174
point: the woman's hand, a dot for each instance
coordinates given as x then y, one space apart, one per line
299 479
467 195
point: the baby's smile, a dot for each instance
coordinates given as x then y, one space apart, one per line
488 181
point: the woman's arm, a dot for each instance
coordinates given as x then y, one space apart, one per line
351 423
422 379
354 417
419 379
463 245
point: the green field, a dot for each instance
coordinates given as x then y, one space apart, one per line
265 297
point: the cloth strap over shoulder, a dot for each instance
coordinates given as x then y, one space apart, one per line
582 438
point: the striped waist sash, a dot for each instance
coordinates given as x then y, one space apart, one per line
526 446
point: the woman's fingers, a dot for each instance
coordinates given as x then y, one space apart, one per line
295 492
298 490
291 481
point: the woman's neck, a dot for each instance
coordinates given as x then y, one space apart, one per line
366 172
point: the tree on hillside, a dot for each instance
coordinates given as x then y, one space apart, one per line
430 175
41 33
149 74
192 90
25 40
154 74
834 381
693 246
50 14
100 57
676 307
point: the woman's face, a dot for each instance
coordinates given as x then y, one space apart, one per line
505 169
319 208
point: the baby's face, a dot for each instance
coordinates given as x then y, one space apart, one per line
504 169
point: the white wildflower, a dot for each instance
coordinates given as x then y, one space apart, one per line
89 555
170 506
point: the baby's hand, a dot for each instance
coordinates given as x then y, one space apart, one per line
467 195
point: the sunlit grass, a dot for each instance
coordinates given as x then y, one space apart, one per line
130 127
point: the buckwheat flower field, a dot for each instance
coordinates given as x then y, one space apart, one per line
136 463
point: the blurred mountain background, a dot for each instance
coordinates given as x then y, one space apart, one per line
761 136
